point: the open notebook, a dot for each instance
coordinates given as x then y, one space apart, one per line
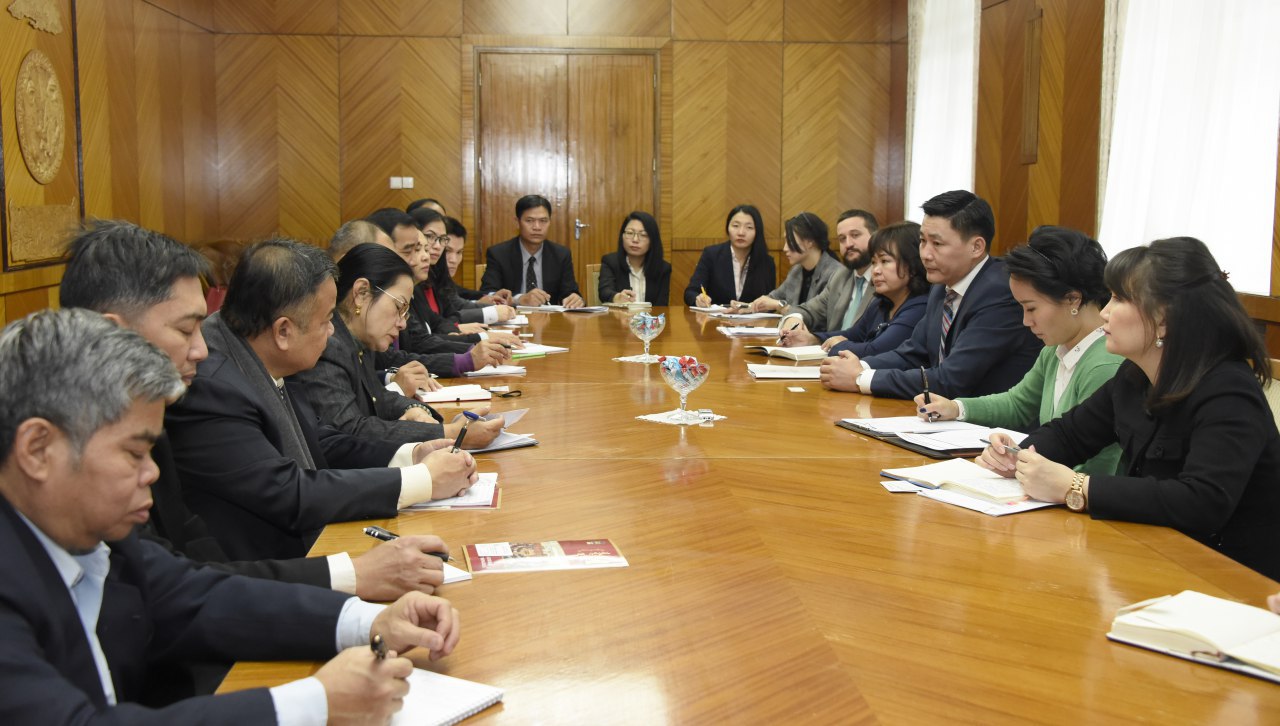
1204 629
435 699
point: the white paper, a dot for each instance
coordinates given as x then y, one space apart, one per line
509 418
981 505
451 394
437 700
491 370
907 424
748 331
515 321
795 389
530 348
507 440
764 371
900 487
479 495
455 574
953 440
746 316
540 308
494 549
588 309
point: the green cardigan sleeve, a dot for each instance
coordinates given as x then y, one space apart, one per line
1095 368
1019 407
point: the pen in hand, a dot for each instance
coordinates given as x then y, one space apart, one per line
387 535
378 646
1008 448
468 417
924 381
783 336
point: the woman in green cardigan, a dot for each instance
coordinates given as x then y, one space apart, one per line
1057 279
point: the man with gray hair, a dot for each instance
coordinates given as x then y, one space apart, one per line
150 283
89 613
356 232
254 461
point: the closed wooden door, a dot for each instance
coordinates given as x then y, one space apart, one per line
577 128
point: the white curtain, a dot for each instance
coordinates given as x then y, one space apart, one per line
941 92
1194 131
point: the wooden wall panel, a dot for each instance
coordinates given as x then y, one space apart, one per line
441 18
276 16
837 21
158 54
835 112
743 20
197 12
278 136
108 108
199 136
401 101
610 17
1081 110
726 141
515 17
1001 177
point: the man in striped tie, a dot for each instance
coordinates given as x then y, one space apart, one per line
971 338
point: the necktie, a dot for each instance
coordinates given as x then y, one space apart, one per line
948 315
530 276
88 596
855 302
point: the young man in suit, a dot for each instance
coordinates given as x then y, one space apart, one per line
971 340
149 283
541 270
92 617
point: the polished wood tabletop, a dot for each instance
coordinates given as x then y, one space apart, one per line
772 579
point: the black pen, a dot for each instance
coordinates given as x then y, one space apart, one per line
467 418
387 535
924 381
788 330
378 646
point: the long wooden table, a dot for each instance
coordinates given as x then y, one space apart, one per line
773 580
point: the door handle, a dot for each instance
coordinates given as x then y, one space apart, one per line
578 226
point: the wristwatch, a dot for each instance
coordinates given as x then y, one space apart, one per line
1076 499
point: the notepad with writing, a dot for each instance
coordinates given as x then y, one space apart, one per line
455 394
964 476
800 352
1205 629
435 699
640 305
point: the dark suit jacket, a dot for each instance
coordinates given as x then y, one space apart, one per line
157 610
1206 467
425 335
988 348
174 527
504 269
343 390
615 276
875 332
715 272
259 502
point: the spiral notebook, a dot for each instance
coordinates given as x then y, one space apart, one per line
439 700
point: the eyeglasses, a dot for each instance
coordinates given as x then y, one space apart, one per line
433 238
402 305
636 234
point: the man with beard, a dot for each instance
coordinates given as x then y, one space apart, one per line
847 296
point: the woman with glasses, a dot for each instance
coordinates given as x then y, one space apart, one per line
636 272
374 286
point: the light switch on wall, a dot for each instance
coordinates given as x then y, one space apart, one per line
408 182
397 182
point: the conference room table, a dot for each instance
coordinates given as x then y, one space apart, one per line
773 579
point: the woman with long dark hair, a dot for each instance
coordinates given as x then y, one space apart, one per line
813 264
739 269
1199 441
636 272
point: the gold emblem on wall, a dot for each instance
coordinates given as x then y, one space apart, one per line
40 116
42 14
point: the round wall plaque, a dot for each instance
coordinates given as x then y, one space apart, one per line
41 120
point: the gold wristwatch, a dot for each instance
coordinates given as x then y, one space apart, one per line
1076 499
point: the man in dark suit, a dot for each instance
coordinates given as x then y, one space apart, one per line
91 615
149 283
971 340
539 269
254 461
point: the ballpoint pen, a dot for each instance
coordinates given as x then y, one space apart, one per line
387 535
788 330
1008 448
378 646
468 417
924 381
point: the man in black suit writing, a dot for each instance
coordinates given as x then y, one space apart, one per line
539 269
90 614
150 283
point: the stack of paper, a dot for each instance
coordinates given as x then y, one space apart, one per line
588 309
538 349
455 394
748 331
492 370
746 316
761 371
540 308
440 700
641 305
516 321
484 494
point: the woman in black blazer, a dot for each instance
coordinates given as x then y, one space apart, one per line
639 250
713 280
1200 447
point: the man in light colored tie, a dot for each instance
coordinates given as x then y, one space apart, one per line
92 617
847 296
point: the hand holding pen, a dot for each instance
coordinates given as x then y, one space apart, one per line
936 408
929 416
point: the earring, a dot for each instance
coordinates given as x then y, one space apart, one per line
1159 342
1075 311
357 310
